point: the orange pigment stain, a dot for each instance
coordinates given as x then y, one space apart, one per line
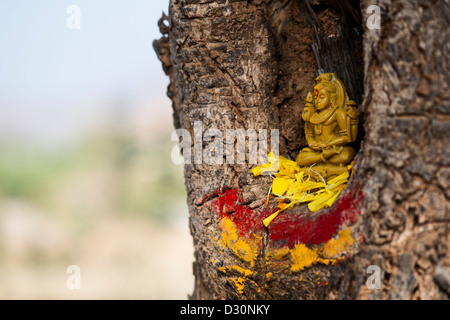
245 249
294 243
299 257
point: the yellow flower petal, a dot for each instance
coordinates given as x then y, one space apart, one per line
345 175
350 166
286 162
338 184
295 184
319 203
280 185
268 167
270 218
256 171
330 201
272 157
299 176
300 186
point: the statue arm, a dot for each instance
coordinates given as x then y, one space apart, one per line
310 140
352 122
341 118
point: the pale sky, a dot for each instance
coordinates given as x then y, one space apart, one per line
56 83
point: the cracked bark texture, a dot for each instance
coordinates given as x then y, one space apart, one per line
249 64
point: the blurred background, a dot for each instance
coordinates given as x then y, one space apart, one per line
86 176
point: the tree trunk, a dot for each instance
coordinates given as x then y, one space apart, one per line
249 65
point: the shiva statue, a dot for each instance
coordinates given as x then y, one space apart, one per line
331 123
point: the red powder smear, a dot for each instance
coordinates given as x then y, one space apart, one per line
314 228
288 229
246 219
210 195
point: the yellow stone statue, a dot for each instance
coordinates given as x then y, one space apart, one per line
331 123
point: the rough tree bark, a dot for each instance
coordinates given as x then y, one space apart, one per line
249 64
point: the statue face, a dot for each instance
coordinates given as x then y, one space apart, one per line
323 98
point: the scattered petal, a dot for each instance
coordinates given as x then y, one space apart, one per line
281 185
293 185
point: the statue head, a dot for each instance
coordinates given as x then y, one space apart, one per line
325 95
329 92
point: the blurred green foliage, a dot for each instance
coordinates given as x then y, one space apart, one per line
127 177
26 172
